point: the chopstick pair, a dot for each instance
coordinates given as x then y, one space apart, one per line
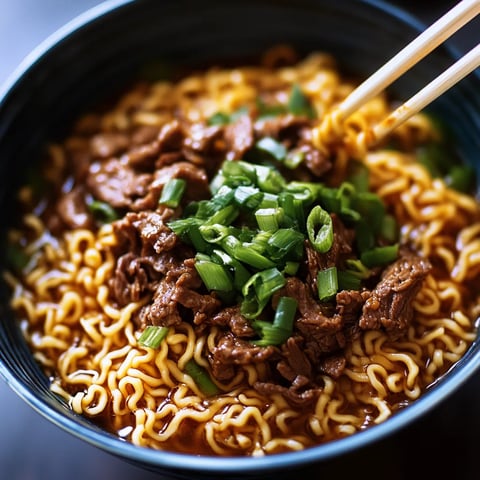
426 42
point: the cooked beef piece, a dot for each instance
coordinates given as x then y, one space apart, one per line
322 333
105 145
231 350
143 157
333 365
349 305
131 279
145 232
286 128
177 290
294 361
239 137
114 182
232 318
196 178
315 160
297 395
390 306
73 211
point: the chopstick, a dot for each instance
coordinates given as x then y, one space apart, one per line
426 95
415 51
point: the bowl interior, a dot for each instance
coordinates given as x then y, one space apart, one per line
101 51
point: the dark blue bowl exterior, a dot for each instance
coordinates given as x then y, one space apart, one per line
98 53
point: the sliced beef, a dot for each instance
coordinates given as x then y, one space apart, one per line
232 319
105 145
115 183
73 211
390 306
297 394
239 137
231 351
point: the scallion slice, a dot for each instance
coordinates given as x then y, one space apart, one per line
269 219
153 336
103 212
202 378
274 148
172 192
281 329
327 284
379 256
299 104
320 229
213 275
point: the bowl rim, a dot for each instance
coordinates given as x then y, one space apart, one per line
168 460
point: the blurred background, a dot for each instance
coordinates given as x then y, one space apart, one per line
442 445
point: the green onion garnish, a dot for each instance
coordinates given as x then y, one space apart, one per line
379 256
153 336
103 212
201 378
213 275
299 104
320 229
281 329
327 284
172 192
271 146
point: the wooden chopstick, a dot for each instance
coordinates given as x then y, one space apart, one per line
421 46
426 95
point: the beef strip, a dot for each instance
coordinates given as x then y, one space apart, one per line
114 182
231 351
232 319
390 306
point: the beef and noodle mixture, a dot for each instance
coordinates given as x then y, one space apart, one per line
204 266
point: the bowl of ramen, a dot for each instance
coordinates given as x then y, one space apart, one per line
207 274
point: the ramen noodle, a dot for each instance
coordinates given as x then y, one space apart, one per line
102 256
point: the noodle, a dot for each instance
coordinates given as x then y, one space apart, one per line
88 342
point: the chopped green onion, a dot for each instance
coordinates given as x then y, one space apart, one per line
219 118
245 253
225 216
320 229
359 176
153 336
268 111
294 159
16 257
327 284
281 329
269 218
259 289
348 280
271 146
357 268
379 256
172 192
202 378
214 233
240 274
286 243
389 229
299 104
103 212
461 178
248 197
213 275
291 268
364 237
